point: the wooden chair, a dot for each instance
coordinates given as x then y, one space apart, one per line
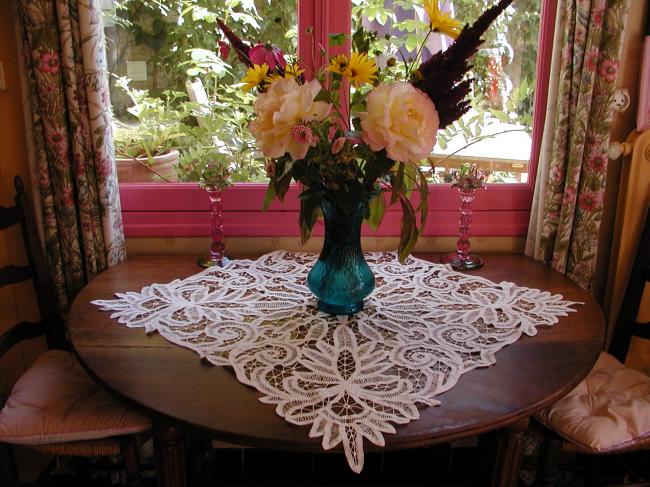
55 406
609 411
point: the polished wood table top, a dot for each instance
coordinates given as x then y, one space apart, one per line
173 384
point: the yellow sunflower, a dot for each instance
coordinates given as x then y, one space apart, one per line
441 22
361 69
255 76
339 64
293 71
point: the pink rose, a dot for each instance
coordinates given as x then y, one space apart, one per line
400 119
285 105
608 69
49 63
304 135
268 54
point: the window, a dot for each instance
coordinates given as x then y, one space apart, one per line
179 209
496 132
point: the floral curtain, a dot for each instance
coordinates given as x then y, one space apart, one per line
567 207
74 163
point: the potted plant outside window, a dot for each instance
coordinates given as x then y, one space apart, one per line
147 150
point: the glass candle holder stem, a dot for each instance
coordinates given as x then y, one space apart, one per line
463 259
217 254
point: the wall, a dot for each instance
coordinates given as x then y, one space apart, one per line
620 229
17 302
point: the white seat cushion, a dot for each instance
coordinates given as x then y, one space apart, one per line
55 401
608 411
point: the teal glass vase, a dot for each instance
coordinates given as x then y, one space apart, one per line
341 278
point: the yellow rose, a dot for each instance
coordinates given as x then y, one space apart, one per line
285 105
400 119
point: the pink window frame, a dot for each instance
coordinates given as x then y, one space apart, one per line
180 209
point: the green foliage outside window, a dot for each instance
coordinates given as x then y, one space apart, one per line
511 43
182 38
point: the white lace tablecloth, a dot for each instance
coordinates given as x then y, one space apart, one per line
349 378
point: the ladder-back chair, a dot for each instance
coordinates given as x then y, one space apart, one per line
55 407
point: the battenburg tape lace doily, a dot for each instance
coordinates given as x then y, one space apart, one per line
350 378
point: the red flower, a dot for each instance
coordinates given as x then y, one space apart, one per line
589 201
57 141
597 163
569 195
608 70
224 50
49 63
268 54
592 59
68 196
597 16
557 174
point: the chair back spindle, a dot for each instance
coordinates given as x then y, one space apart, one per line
52 324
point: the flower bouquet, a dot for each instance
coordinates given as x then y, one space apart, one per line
351 132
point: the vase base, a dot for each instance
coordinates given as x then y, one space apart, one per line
462 264
206 261
340 309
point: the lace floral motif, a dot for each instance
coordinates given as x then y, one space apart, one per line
350 378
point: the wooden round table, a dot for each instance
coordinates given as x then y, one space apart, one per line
178 390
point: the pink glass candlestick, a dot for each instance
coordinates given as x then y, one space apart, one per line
463 259
217 254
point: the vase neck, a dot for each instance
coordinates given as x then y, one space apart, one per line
342 228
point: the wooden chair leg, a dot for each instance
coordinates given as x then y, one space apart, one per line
170 456
8 472
131 459
551 460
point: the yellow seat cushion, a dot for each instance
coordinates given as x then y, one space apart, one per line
608 411
55 401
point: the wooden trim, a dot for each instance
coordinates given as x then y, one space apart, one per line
12 274
544 58
181 210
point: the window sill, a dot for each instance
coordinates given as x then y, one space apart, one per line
181 210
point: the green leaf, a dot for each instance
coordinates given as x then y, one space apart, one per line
424 200
336 39
397 183
409 231
309 212
377 208
269 195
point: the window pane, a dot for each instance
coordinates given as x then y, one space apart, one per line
497 132
173 79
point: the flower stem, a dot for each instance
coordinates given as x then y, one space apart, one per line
417 55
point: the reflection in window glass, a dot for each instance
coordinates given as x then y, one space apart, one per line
496 132
174 80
